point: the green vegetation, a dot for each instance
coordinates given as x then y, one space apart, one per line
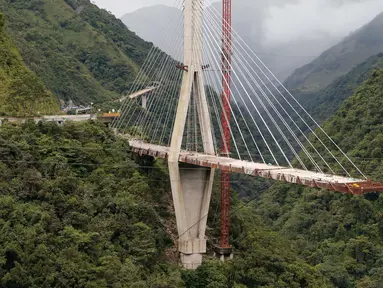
21 92
340 59
324 103
77 211
340 235
79 51
357 128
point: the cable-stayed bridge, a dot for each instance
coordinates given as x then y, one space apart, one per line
215 95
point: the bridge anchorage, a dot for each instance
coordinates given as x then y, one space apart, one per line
197 108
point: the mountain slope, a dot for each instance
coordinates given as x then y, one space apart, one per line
154 22
77 211
324 103
341 235
21 92
78 50
340 59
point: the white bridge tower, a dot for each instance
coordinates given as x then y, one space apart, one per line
191 185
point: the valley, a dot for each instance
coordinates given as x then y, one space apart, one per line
81 207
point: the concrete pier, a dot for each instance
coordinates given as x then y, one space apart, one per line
191 197
191 185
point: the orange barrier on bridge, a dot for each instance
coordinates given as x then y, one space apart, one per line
280 173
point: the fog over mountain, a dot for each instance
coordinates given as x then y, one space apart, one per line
286 34
316 18
118 7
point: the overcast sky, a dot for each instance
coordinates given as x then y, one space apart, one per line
120 7
312 18
283 20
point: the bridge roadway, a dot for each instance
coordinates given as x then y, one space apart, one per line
136 94
285 174
61 119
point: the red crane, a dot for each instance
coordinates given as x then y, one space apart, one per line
226 95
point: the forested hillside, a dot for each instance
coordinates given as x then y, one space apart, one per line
77 211
324 103
79 51
153 23
21 92
340 235
340 59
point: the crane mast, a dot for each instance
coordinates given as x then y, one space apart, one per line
226 95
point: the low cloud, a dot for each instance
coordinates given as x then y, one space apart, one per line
316 18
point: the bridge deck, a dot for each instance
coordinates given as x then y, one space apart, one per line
285 174
142 92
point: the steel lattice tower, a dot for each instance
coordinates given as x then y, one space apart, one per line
226 95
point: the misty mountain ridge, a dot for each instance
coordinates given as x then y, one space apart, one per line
340 59
148 26
152 23
282 59
79 52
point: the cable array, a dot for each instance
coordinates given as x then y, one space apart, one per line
268 124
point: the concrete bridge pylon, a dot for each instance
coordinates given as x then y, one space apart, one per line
191 185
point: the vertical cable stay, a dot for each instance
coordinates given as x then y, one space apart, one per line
160 96
222 107
173 94
258 114
282 134
275 109
162 74
188 131
128 103
164 66
266 86
143 117
194 105
210 91
214 106
294 122
231 110
256 125
254 89
217 45
172 103
145 70
294 99
200 39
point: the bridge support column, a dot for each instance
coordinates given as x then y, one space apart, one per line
191 185
144 101
191 189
